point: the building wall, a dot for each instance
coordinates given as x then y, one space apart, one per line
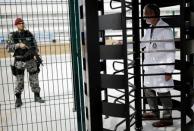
47 20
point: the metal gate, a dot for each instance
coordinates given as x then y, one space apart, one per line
111 32
49 22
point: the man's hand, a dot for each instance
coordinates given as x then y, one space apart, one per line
21 45
168 76
35 58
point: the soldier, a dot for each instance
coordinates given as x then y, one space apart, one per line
24 46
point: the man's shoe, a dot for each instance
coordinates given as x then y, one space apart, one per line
18 102
37 98
150 116
163 123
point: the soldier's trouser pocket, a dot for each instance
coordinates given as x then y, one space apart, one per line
13 70
32 67
16 71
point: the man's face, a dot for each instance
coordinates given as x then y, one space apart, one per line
20 26
149 13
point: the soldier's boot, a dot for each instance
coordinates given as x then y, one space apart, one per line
18 102
37 98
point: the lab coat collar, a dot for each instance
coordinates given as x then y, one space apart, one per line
160 23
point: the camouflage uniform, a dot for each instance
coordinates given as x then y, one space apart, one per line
31 67
22 63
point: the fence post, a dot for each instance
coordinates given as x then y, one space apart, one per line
77 64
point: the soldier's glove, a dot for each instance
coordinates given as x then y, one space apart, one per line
38 59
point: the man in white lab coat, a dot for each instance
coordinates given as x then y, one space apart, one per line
158 42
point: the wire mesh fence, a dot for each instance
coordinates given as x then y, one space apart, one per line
48 21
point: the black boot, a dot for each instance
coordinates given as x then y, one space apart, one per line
18 102
37 98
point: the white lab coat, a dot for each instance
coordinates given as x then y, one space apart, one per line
152 57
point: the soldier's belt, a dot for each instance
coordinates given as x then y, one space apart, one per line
22 58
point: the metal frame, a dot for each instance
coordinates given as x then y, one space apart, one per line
77 64
91 56
137 67
98 81
183 70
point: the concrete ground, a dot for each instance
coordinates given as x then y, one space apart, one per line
56 114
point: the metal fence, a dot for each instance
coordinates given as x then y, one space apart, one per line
48 21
